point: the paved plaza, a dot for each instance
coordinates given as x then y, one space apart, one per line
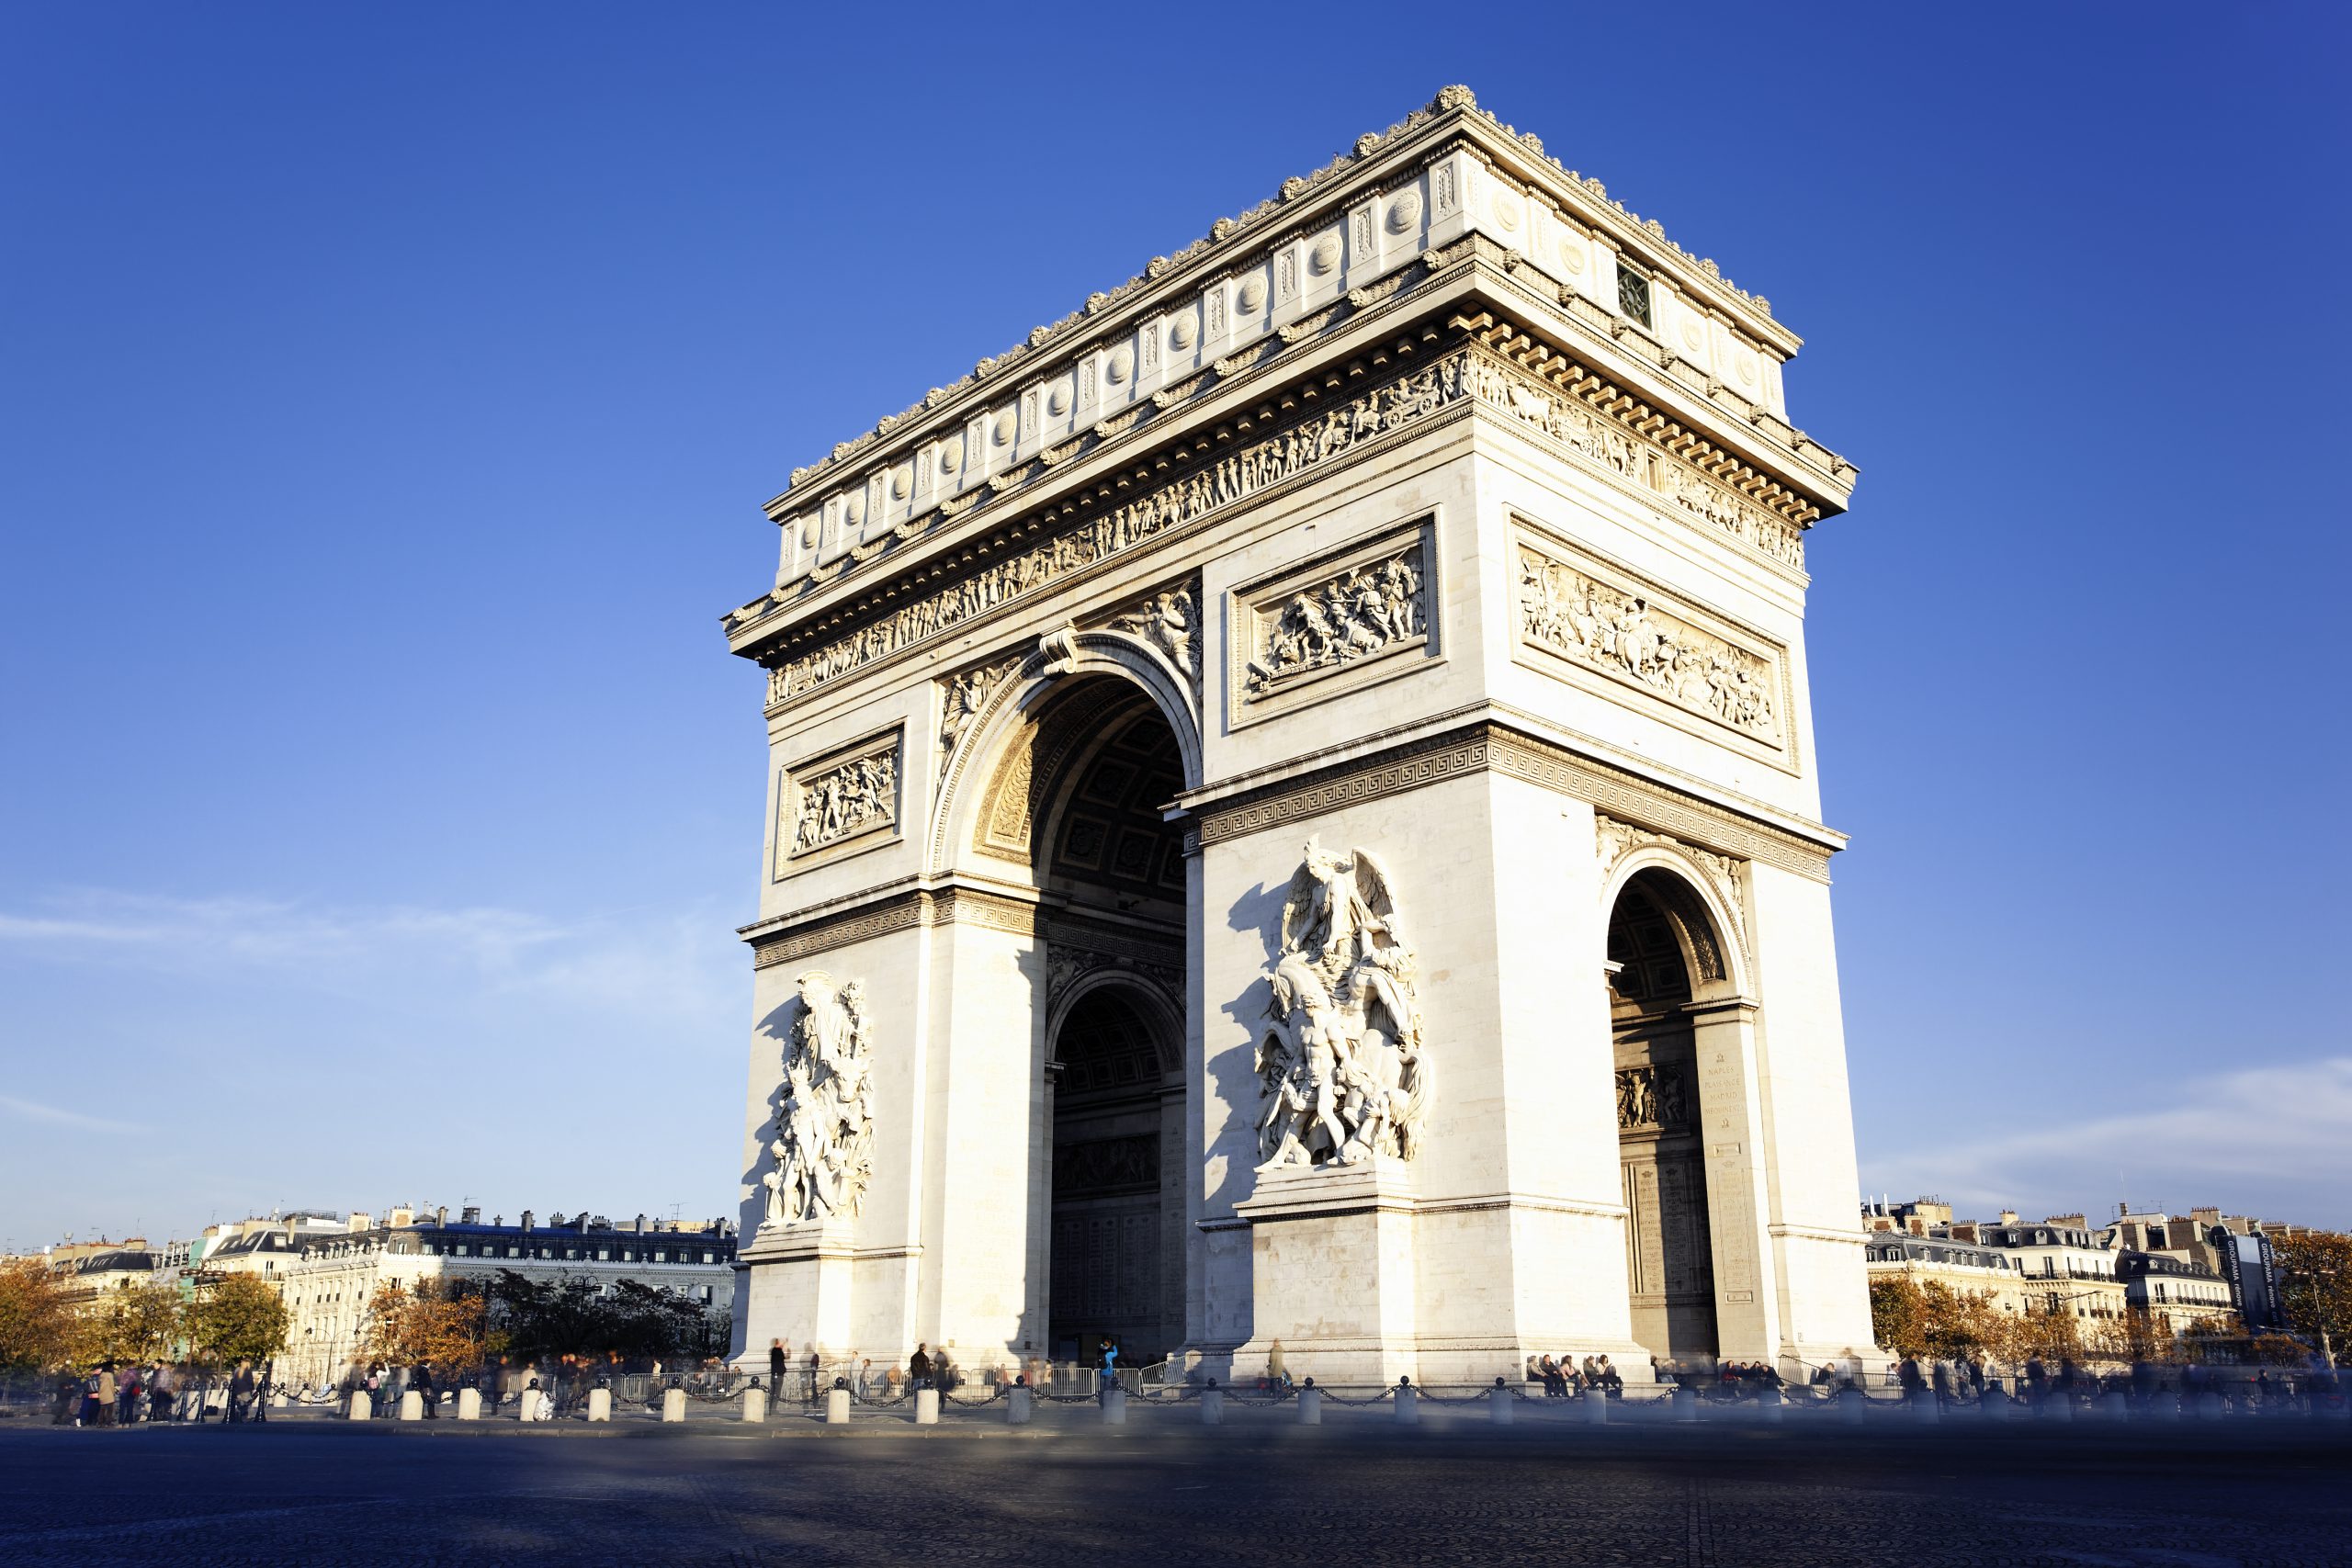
312 1490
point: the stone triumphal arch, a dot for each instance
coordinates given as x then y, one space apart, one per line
1292 815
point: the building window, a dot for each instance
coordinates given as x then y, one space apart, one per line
707 1257
604 1255
1632 294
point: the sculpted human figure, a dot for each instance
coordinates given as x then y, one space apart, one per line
824 1118
1343 1068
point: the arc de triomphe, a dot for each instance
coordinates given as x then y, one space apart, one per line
1294 815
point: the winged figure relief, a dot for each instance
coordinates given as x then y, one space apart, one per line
823 1145
1341 1063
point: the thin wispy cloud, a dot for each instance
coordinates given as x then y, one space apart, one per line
2277 1126
33 1110
659 960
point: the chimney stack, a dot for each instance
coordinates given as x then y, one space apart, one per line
469 1215
526 1219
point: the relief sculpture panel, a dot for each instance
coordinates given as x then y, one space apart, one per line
1612 624
839 798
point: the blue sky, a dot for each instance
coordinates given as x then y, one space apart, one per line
387 396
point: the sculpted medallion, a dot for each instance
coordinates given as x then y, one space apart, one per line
1342 1065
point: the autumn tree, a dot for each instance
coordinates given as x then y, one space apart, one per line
236 1317
1959 1324
142 1323
34 1319
1899 1314
2050 1335
2315 1287
442 1324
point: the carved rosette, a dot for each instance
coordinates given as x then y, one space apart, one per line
1341 1064
823 1135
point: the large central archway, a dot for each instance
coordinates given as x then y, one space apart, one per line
1081 794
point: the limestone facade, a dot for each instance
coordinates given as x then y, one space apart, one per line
1309 767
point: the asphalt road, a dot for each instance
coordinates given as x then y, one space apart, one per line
322 1492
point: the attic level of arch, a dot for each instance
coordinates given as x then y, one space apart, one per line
1446 364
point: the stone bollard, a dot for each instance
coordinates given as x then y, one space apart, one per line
469 1404
412 1406
1768 1404
1593 1405
1928 1410
2116 1405
1995 1404
277 1400
1686 1404
1408 1403
673 1404
1849 1406
1212 1406
1020 1403
1310 1405
837 1404
2058 1407
362 1408
1499 1403
926 1408
600 1404
756 1404
1114 1400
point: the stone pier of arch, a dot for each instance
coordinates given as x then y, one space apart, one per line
1293 817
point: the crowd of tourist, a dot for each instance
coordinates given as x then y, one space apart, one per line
129 1394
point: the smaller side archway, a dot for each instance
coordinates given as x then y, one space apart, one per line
1666 956
1117 1191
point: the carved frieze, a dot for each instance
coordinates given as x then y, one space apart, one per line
1252 468
842 797
1651 1096
1231 478
1366 608
823 1139
1630 633
1604 442
1342 1065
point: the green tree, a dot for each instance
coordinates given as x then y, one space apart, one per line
236 1317
35 1322
2315 1287
573 1315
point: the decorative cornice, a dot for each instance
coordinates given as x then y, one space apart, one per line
792 938
1486 746
1428 166
1589 204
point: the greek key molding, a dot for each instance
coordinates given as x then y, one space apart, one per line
898 912
1486 746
